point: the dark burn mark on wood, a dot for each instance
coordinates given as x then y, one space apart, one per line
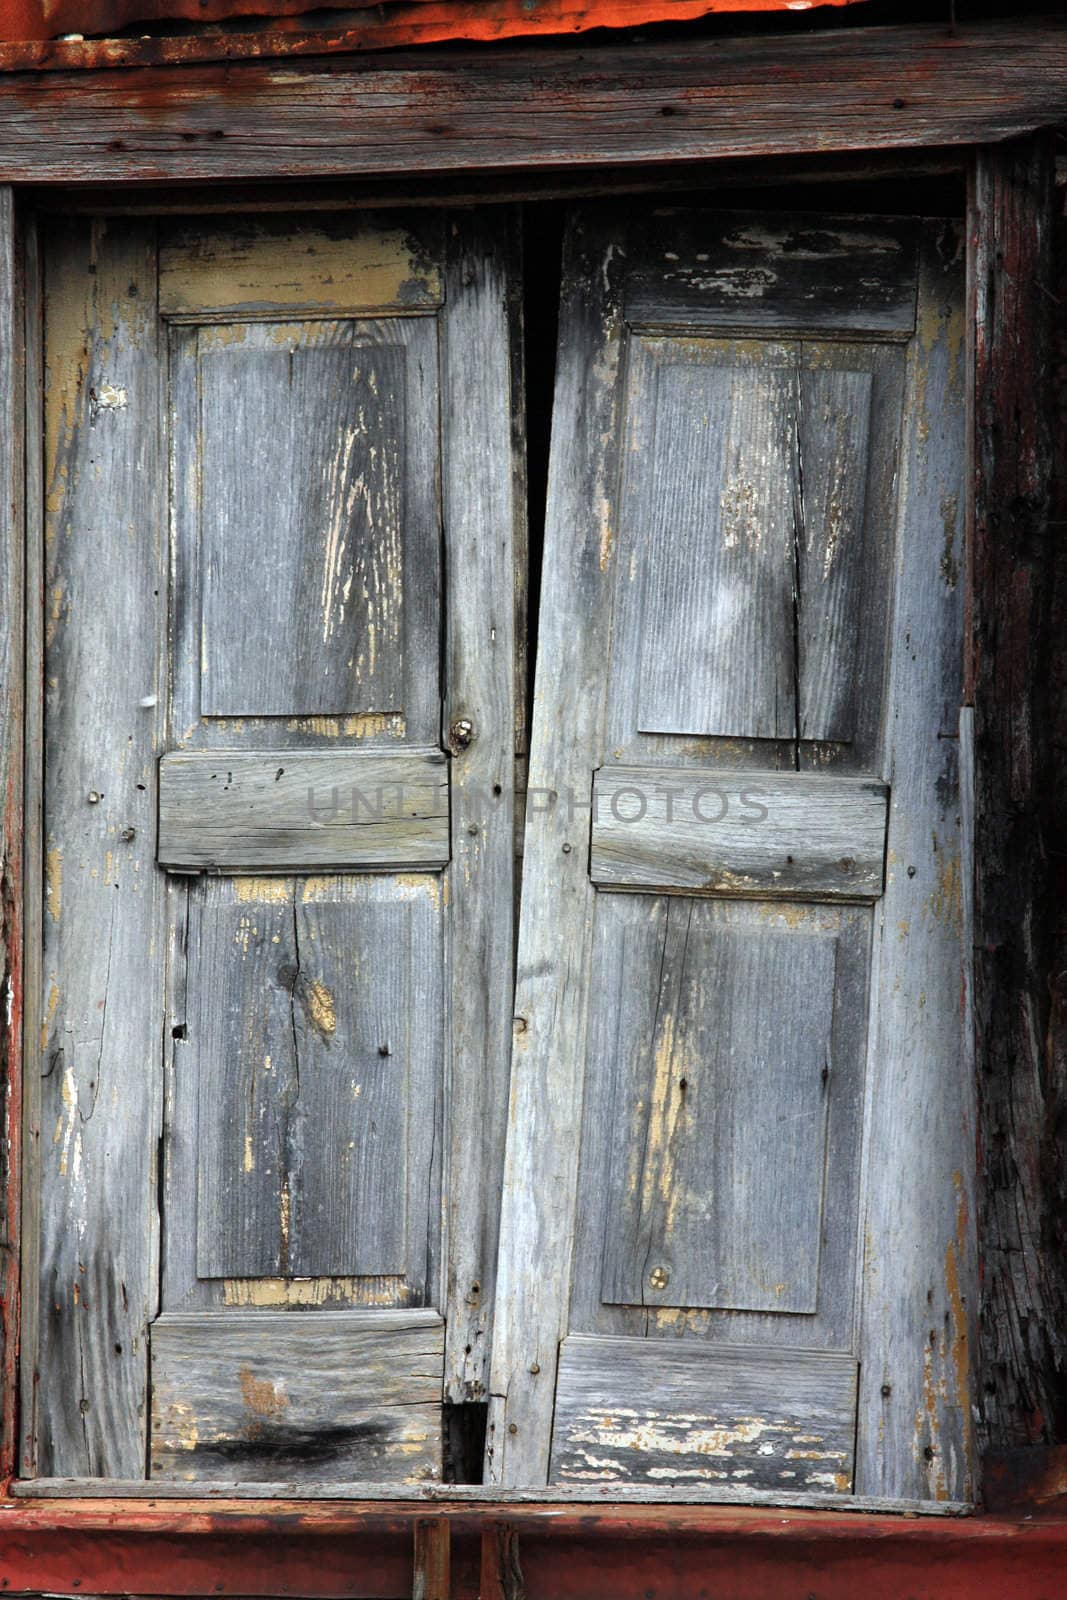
273 1444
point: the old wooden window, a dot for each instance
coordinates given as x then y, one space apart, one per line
281 659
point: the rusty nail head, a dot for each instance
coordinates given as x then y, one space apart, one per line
513 1427
461 733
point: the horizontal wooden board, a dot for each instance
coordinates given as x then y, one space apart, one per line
717 270
317 1395
286 810
659 1411
801 835
864 89
262 266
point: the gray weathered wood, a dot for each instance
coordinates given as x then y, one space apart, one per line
833 429
33 845
98 1035
260 266
915 1416
318 1067
712 492
482 513
630 1125
590 1000
720 1115
835 511
796 835
267 1395
19 453
699 270
283 810
301 511
537 1220
459 1495
833 90
635 1409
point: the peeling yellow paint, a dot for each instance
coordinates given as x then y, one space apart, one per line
49 1012
277 891
322 1007
281 1292
53 882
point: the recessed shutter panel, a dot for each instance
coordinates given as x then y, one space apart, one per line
333 595
739 573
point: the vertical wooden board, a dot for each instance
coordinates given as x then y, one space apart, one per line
716 493
301 520
537 1212
915 1421
833 445
1015 680
28 1298
99 1054
20 452
480 515
719 1150
248 1078
319 1067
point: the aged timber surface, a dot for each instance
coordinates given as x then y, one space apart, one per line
739 833
862 89
1019 1035
281 810
267 1395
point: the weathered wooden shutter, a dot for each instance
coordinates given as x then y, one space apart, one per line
273 1053
736 1188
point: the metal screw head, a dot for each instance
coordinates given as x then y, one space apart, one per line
128 835
659 1278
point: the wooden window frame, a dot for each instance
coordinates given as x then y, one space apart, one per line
554 121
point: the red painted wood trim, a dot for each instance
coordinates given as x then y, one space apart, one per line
364 1551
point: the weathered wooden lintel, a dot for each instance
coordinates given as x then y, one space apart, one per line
624 106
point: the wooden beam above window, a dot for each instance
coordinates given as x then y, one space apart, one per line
505 111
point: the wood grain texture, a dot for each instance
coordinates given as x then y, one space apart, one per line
259 266
433 1560
325 1395
97 1038
861 89
286 810
916 1390
13 568
792 636
792 834
301 508
1018 991
629 1408
318 1067
240 1499
537 1212
483 513
782 273
711 486
720 1114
